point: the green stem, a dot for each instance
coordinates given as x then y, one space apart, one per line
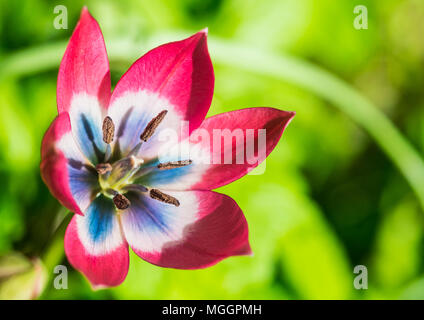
283 67
54 253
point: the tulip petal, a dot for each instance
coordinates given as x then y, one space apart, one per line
177 77
206 228
94 244
85 67
217 160
64 169
83 86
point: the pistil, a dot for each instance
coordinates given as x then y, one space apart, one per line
123 169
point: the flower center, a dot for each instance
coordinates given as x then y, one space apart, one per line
116 179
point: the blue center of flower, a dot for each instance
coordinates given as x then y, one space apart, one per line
118 178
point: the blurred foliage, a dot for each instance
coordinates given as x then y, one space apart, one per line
21 278
329 198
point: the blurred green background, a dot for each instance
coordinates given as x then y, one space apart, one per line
344 187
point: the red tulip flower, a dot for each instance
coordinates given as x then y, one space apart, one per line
101 158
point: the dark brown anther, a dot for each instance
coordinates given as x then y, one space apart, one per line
163 197
108 130
103 168
152 125
121 202
174 164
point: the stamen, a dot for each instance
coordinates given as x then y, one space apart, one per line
134 187
163 197
103 168
108 130
152 125
174 164
121 202
135 150
142 171
111 192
